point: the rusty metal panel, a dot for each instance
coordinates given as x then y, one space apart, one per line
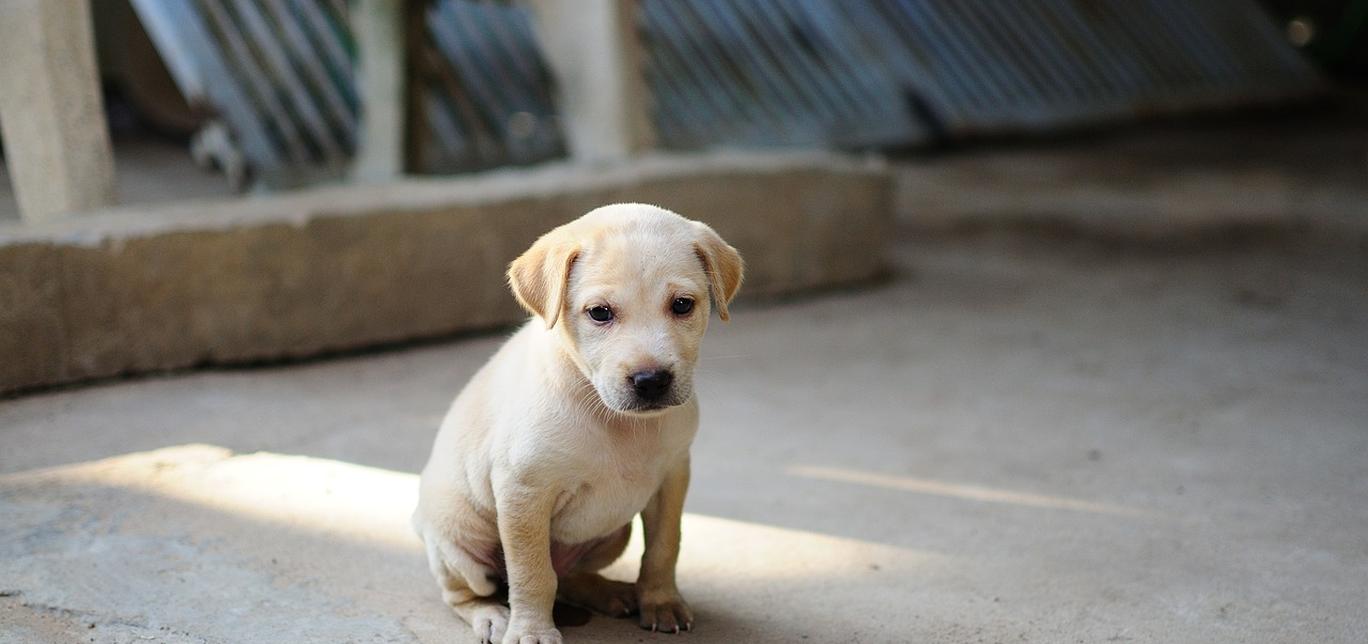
895 72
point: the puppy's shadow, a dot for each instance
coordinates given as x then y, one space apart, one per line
564 615
715 621
568 616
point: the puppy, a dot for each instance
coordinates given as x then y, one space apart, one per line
582 420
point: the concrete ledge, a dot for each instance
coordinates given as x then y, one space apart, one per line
128 291
1291 175
1042 191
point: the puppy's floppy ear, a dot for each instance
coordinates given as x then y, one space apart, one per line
723 266
540 277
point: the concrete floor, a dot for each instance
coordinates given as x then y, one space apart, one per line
1009 441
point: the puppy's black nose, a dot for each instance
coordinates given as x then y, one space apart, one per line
651 385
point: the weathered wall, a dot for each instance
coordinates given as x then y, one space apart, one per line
127 291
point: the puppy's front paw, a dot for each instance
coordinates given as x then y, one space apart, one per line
527 634
664 611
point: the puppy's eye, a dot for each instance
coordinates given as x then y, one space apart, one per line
600 313
682 305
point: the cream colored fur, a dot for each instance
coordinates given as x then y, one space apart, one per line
548 453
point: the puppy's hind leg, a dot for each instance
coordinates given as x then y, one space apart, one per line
583 586
487 617
454 572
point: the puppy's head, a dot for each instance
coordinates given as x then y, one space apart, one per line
628 289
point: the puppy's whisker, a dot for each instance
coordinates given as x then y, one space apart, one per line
588 402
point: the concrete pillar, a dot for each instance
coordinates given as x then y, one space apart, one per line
51 112
379 29
597 59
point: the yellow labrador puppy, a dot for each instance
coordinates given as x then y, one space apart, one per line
582 420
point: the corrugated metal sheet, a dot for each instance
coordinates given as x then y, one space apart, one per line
487 89
891 72
279 73
862 73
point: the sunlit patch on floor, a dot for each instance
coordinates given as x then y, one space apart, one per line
345 500
204 536
741 553
959 491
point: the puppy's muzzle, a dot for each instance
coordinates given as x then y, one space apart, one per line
651 387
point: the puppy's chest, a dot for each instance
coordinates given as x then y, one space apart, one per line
604 499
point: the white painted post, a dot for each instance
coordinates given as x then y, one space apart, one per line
51 112
379 29
597 59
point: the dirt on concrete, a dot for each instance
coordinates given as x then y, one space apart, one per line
1011 440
